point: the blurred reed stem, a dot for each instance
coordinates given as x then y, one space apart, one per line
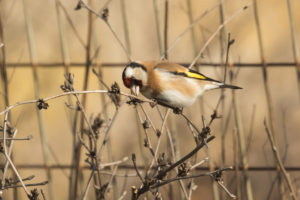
285 175
6 104
158 27
193 33
294 47
166 24
72 115
195 49
222 37
3 71
33 59
183 192
241 142
77 150
270 109
236 163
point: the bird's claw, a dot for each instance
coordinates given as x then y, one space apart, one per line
177 110
153 103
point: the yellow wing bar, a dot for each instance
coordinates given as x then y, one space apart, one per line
195 75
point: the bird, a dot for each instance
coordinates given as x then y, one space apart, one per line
169 84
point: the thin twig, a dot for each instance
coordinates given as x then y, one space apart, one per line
148 141
159 184
9 154
84 196
27 185
8 157
163 173
18 139
241 144
66 94
215 33
294 47
33 59
199 163
226 190
123 195
154 160
133 158
173 149
279 162
125 159
196 21
108 24
99 153
157 25
71 24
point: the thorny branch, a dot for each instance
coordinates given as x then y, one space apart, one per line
157 180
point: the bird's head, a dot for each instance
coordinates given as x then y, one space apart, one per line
135 77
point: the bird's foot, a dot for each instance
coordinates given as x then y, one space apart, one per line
153 103
177 110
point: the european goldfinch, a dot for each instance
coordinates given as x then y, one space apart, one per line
170 84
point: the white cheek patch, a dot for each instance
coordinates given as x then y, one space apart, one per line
129 72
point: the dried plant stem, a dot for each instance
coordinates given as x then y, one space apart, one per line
52 65
148 118
66 62
279 162
149 144
179 37
154 160
82 105
3 71
241 144
195 46
193 34
215 33
28 185
9 154
104 110
62 36
236 159
33 57
173 148
107 131
294 47
125 26
3 68
71 23
215 191
8 157
91 10
88 185
266 83
66 94
158 28
166 24
232 196
225 126
111 164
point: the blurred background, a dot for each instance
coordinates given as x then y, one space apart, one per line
43 40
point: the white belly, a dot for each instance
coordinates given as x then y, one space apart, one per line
175 98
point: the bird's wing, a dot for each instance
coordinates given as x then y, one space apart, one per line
182 71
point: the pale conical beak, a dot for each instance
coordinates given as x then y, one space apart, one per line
135 90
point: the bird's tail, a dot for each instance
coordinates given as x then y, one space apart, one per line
229 86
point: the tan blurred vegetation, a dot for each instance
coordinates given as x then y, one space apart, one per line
124 135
